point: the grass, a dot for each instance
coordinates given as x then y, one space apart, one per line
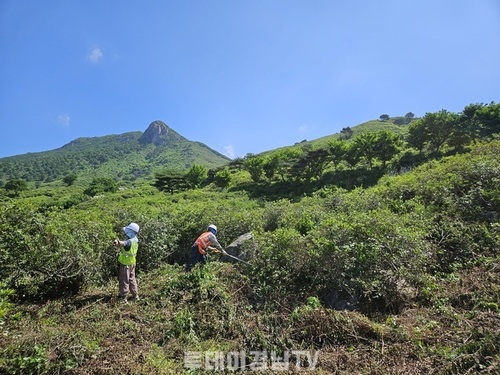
210 310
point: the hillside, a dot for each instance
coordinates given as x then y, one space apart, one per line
377 254
398 278
391 125
367 127
126 157
138 156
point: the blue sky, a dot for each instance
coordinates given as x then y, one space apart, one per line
240 76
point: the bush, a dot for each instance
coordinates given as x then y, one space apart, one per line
158 242
52 254
15 186
5 304
101 185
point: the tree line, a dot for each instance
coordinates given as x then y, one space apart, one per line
431 136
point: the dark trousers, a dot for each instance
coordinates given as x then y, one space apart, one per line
195 257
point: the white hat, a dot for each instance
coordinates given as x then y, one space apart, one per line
133 226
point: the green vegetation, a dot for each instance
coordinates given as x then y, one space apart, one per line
380 253
126 157
15 186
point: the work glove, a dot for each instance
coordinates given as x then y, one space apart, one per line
215 250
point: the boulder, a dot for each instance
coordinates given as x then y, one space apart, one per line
243 247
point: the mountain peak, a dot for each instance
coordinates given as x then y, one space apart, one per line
159 134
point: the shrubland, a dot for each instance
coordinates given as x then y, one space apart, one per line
400 276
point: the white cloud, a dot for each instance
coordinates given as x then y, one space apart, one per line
63 120
303 128
229 151
95 55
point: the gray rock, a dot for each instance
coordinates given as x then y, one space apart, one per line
243 247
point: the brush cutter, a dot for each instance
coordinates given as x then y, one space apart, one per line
224 252
232 256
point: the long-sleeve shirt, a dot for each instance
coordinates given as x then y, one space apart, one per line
205 240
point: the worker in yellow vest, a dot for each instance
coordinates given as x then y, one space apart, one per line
204 242
127 260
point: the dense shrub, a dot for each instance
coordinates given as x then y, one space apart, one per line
100 185
372 260
158 241
364 248
415 258
461 195
51 254
5 303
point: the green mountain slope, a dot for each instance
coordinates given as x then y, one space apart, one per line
137 155
376 269
366 127
127 156
393 125
397 278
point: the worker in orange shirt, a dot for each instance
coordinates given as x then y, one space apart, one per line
207 240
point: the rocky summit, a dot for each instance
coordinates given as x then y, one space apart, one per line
159 134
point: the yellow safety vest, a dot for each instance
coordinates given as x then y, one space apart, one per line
127 258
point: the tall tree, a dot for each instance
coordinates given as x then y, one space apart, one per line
316 162
386 146
489 118
346 133
287 158
468 121
352 155
171 181
337 151
196 175
255 166
310 165
440 127
409 117
223 178
365 144
270 165
418 135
